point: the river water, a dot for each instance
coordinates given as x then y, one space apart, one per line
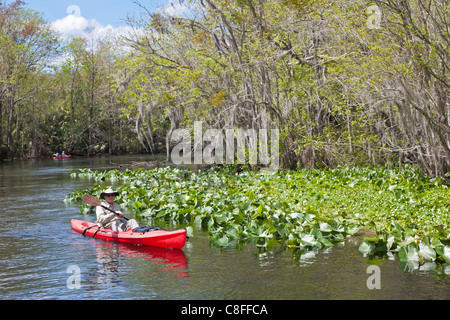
40 254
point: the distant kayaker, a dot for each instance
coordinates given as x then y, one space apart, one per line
110 220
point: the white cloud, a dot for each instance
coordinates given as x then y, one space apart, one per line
93 31
72 24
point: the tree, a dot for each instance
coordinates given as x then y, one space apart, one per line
422 79
88 70
345 82
317 70
27 44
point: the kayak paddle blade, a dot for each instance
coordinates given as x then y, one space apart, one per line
90 200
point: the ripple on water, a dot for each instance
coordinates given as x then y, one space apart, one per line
37 247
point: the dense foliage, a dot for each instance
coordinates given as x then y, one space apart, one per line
345 82
305 209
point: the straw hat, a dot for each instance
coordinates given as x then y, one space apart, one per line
108 191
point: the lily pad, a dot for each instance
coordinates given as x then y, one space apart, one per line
444 252
408 254
427 252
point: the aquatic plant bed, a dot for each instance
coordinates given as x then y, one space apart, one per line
408 214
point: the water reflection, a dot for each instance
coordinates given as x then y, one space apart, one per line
439 270
107 263
37 246
112 259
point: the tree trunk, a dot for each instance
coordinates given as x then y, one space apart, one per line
175 116
1 122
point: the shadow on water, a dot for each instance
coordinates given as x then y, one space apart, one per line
38 248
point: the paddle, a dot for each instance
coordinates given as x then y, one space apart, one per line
92 201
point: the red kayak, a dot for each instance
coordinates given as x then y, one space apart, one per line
62 157
160 238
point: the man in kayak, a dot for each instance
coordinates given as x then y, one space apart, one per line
110 220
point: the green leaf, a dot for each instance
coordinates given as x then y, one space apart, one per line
398 227
232 232
427 252
336 226
444 252
326 242
325 227
408 254
435 242
365 247
308 240
246 205
407 241
161 213
375 239
137 204
259 210
375 262
352 230
403 254
222 241
220 218
198 221
389 242
262 242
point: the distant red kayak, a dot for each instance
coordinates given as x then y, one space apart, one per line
62 157
161 238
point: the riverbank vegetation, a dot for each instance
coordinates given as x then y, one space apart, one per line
408 214
344 82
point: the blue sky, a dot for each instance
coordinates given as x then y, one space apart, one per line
106 12
103 16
